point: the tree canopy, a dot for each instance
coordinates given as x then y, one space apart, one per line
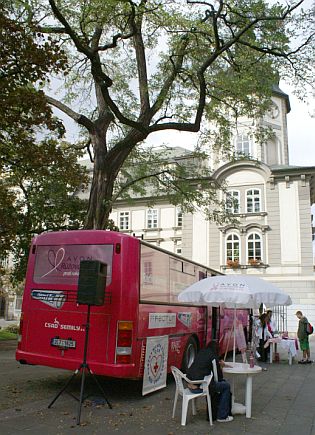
142 66
39 174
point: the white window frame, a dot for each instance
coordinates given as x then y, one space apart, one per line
240 141
124 220
257 239
152 218
178 247
147 272
256 194
179 217
235 238
235 196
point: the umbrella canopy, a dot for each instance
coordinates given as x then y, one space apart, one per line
234 291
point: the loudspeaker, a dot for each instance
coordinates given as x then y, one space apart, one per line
92 281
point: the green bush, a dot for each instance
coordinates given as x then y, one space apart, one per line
14 328
6 335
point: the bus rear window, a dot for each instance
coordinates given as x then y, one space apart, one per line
61 264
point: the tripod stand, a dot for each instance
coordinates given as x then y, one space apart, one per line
84 367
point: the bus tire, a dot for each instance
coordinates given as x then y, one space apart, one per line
190 353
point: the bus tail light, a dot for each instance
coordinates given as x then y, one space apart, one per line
124 342
20 330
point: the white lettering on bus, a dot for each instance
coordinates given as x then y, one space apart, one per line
58 325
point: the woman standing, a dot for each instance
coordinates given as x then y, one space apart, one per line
263 335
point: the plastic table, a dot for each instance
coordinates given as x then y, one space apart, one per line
289 344
244 369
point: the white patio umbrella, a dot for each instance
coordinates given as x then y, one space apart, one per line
234 291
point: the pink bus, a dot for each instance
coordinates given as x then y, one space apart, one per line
142 285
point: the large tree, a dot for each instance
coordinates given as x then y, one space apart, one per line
39 185
39 174
144 66
26 58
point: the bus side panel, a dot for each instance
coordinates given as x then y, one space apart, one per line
179 323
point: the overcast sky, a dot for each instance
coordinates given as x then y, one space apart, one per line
301 130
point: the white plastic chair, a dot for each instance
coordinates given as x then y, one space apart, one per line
187 395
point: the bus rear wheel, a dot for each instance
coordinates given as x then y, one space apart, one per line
190 353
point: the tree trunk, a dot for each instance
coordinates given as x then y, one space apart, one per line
104 175
107 164
100 201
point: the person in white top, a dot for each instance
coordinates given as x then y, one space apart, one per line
271 324
263 335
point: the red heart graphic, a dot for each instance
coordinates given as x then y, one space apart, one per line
155 365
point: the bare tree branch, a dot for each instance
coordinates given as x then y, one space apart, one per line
115 40
75 38
77 117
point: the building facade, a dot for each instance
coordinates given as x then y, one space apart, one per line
271 202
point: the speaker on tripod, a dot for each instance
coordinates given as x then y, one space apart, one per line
91 284
91 291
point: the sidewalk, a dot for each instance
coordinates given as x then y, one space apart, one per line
4 323
283 404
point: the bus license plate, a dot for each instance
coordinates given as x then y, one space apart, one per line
66 344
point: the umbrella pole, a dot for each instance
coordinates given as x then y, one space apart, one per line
228 343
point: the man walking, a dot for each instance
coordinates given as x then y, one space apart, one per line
303 338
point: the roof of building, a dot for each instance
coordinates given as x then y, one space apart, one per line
276 90
292 168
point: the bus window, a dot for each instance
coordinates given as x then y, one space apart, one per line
176 264
154 282
61 264
190 269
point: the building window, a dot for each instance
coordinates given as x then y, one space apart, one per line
179 217
147 279
253 202
152 218
178 247
232 203
124 218
243 144
254 247
232 247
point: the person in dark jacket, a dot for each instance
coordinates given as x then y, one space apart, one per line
201 367
303 338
